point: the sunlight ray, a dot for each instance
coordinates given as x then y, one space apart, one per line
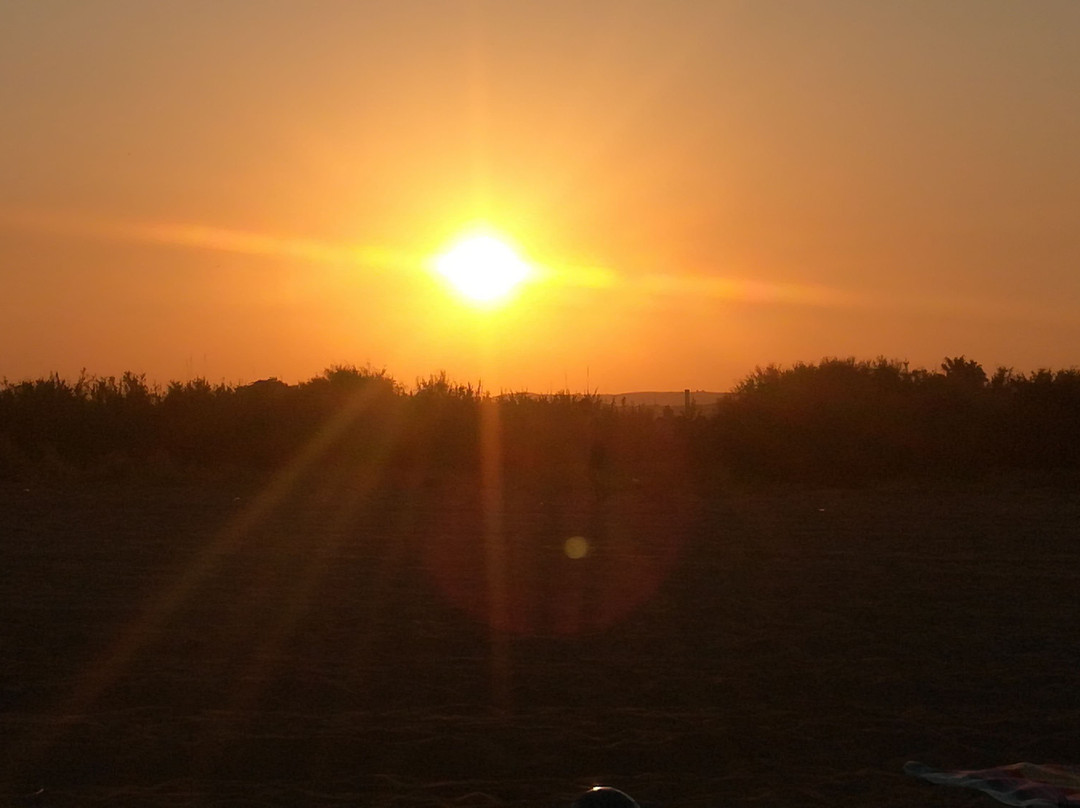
228 540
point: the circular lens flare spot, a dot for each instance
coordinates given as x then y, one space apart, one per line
576 547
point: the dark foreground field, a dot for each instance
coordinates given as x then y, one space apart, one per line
219 643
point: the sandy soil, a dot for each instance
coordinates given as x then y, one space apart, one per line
310 643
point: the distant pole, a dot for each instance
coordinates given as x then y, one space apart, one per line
686 401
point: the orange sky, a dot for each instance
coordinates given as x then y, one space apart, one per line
244 188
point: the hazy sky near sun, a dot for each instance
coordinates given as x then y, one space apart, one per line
247 188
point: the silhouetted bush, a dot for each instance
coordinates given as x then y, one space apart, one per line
845 421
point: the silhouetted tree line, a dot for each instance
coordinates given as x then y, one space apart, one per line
837 421
345 415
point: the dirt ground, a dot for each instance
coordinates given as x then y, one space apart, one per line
312 643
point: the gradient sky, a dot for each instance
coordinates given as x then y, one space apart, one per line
239 189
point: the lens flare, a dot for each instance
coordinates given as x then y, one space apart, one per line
576 547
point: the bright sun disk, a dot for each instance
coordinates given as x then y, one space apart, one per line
482 268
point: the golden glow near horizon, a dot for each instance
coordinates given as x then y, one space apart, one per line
306 195
482 268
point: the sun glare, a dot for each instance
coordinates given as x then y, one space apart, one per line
482 268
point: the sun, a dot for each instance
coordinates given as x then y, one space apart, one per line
482 268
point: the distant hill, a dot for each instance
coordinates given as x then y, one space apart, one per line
702 399
676 400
